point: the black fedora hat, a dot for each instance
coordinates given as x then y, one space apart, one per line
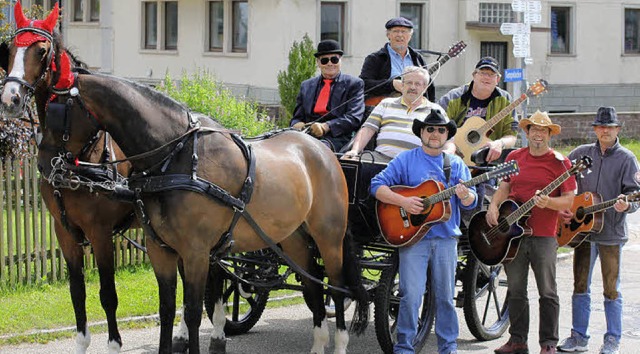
328 46
435 118
607 117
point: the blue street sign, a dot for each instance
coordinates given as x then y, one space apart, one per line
511 75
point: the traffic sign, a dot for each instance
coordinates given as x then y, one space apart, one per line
532 17
533 6
528 61
508 28
518 5
521 52
511 75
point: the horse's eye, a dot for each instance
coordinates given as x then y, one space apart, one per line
42 52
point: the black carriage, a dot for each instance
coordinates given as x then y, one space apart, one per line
250 277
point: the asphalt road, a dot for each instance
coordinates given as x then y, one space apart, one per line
288 330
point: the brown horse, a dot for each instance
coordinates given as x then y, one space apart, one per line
187 174
79 214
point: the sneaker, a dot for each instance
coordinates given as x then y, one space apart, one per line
575 343
513 348
548 349
610 346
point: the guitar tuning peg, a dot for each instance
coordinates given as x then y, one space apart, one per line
589 171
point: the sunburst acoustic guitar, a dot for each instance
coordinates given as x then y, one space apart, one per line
400 228
588 216
474 133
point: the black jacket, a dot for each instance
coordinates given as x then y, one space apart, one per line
377 69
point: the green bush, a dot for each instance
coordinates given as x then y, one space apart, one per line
202 93
302 65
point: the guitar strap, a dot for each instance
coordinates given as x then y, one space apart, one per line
446 167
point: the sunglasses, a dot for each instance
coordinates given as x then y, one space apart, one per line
441 130
325 61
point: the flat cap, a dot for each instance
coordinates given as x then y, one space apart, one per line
398 22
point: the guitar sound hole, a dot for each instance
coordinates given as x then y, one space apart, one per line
473 137
580 213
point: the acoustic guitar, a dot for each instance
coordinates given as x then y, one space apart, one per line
493 245
400 228
453 52
474 133
588 216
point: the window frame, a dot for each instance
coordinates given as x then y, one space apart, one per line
160 26
570 47
624 30
86 11
420 29
500 7
228 46
343 37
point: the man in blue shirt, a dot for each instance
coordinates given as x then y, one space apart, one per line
438 248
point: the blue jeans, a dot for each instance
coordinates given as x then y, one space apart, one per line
584 259
441 255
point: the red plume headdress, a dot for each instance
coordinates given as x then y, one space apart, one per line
38 29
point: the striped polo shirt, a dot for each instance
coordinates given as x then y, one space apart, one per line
392 119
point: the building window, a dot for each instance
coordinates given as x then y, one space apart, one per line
413 12
82 12
496 13
332 21
561 30
160 25
228 23
631 31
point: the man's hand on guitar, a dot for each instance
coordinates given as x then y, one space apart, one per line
541 200
621 205
495 150
412 205
463 193
492 215
565 215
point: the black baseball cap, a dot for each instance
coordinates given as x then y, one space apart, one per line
489 63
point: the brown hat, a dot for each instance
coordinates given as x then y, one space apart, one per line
540 119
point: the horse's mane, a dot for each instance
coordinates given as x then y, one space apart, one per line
59 47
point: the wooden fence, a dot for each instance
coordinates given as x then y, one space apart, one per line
28 247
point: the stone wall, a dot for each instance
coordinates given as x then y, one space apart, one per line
577 126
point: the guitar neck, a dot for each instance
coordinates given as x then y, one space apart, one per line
449 192
596 208
503 113
445 58
527 206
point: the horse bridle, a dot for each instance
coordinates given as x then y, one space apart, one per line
31 88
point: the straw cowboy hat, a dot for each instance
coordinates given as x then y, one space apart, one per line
540 119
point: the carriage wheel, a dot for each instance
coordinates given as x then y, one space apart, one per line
387 301
485 299
243 305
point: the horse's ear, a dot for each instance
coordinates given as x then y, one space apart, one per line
4 57
21 20
51 20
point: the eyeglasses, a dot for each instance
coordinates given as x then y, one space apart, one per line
325 60
441 130
487 73
400 31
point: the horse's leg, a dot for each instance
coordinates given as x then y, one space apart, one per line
218 342
298 249
196 267
74 257
181 339
102 243
164 264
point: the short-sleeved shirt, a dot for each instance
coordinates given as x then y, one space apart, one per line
536 173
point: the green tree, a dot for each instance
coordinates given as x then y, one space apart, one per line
302 65
202 93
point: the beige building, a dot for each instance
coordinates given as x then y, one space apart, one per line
588 50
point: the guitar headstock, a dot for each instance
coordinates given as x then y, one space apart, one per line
580 165
456 49
632 197
537 88
505 169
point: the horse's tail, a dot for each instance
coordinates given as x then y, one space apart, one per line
352 273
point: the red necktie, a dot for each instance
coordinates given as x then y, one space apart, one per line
323 98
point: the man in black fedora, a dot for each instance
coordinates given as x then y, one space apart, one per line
382 69
331 104
438 248
615 172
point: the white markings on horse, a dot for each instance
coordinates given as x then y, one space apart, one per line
12 88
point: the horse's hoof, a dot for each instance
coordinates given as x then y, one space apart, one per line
217 346
180 345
